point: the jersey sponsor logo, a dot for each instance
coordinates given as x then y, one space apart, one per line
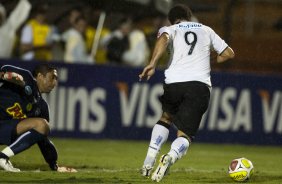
190 26
28 90
16 111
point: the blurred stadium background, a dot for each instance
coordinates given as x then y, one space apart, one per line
104 100
252 27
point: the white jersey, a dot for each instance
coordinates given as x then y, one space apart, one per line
190 46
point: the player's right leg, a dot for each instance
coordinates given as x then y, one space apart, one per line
170 100
158 138
27 132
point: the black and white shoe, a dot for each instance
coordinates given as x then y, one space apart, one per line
163 167
146 170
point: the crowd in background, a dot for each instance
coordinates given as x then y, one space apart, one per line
81 36
118 32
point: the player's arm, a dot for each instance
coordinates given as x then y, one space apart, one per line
223 50
159 50
12 77
227 54
50 155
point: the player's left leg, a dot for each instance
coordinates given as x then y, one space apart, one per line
179 146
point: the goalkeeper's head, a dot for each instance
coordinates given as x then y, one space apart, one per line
46 77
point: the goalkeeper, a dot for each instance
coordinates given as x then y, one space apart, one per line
24 114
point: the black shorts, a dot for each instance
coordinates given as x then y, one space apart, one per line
8 132
186 102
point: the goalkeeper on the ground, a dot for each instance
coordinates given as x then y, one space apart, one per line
24 114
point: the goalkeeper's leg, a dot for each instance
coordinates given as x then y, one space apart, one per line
29 132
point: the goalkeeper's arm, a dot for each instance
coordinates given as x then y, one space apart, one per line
50 155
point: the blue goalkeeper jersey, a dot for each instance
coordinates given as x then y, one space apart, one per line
17 102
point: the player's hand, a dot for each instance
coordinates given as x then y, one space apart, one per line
14 78
147 73
64 169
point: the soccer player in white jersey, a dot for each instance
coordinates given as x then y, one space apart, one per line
187 85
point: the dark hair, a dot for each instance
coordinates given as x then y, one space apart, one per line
79 18
179 11
40 9
43 69
75 8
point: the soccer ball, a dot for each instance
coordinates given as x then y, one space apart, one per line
240 169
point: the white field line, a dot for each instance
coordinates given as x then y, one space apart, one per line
172 170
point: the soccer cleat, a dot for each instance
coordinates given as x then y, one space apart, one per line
162 169
146 170
7 165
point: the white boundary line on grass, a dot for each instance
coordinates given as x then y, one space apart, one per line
128 170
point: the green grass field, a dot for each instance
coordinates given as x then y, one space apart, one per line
109 161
